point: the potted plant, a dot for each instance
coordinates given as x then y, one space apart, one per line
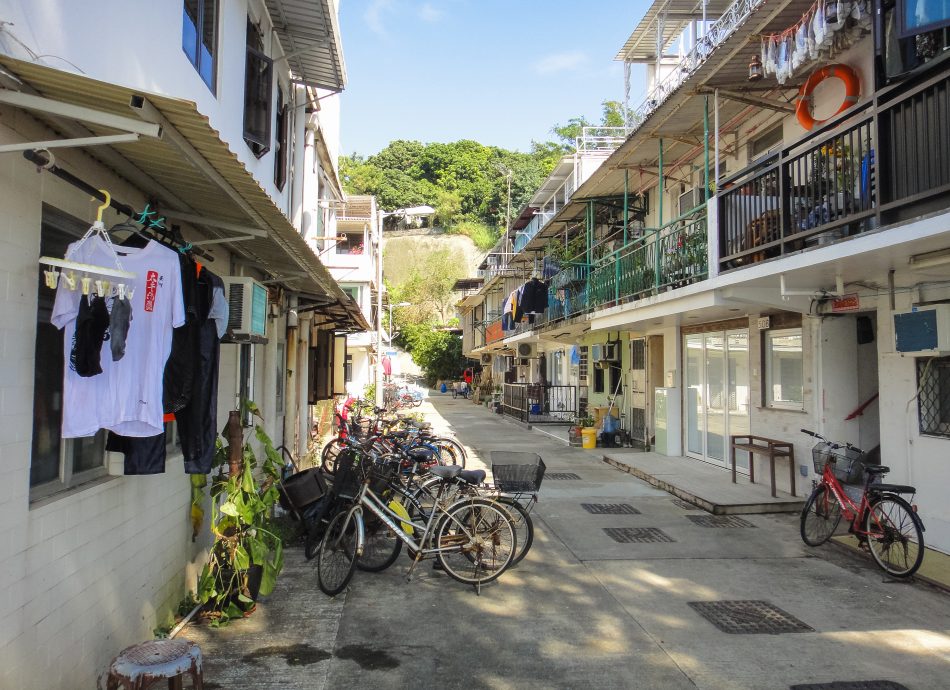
246 555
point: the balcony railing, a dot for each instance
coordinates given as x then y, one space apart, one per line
670 257
872 166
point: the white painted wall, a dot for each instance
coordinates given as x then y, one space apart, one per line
137 43
93 569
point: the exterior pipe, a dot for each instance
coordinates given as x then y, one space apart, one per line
716 136
660 222
300 135
706 148
626 202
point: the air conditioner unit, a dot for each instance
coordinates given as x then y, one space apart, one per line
247 304
526 349
923 331
690 200
607 352
486 358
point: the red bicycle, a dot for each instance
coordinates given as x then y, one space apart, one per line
884 522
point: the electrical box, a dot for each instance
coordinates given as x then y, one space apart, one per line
923 331
247 302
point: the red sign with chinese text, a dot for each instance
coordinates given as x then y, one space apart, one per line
850 302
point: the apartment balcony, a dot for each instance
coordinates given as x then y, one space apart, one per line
875 165
666 258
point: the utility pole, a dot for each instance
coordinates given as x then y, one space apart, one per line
378 241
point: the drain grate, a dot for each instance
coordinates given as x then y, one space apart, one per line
730 521
748 617
561 475
680 503
852 685
638 535
610 508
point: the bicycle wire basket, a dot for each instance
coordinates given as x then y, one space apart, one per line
847 464
517 471
346 478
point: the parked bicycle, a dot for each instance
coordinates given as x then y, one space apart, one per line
883 521
472 538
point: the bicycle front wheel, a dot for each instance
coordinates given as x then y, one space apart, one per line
895 536
820 517
336 557
329 454
380 546
480 539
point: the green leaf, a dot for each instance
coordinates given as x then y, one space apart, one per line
247 481
228 508
258 551
242 560
268 579
245 599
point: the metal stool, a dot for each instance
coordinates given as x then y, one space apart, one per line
140 665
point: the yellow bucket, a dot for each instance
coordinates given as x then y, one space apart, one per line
589 435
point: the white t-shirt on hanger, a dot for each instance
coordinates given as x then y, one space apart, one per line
127 396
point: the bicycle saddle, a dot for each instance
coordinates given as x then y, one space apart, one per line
446 471
420 454
472 476
876 469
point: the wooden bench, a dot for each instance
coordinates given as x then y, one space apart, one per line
763 446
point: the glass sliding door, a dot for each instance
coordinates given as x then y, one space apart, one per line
715 351
716 393
695 411
737 408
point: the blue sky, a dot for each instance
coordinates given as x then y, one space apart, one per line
501 72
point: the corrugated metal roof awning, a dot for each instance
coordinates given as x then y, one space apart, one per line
191 170
310 35
668 18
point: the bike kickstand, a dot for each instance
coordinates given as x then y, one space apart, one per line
412 567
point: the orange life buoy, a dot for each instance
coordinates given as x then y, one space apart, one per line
852 86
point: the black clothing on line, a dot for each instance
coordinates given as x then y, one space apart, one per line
145 455
92 324
120 320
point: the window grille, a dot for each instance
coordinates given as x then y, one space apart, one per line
933 399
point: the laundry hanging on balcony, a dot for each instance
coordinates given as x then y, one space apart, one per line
828 28
524 304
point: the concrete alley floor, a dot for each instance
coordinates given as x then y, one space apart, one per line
585 611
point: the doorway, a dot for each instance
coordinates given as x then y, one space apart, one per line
717 394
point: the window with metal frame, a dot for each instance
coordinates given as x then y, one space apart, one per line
258 87
56 463
348 368
281 154
933 398
199 38
784 369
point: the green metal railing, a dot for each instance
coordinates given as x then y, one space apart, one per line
669 257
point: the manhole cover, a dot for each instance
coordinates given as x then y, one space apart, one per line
610 508
637 535
680 503
748 617
852 685
561 475
719 521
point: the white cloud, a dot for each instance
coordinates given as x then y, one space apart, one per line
430 13
560 62
374 15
